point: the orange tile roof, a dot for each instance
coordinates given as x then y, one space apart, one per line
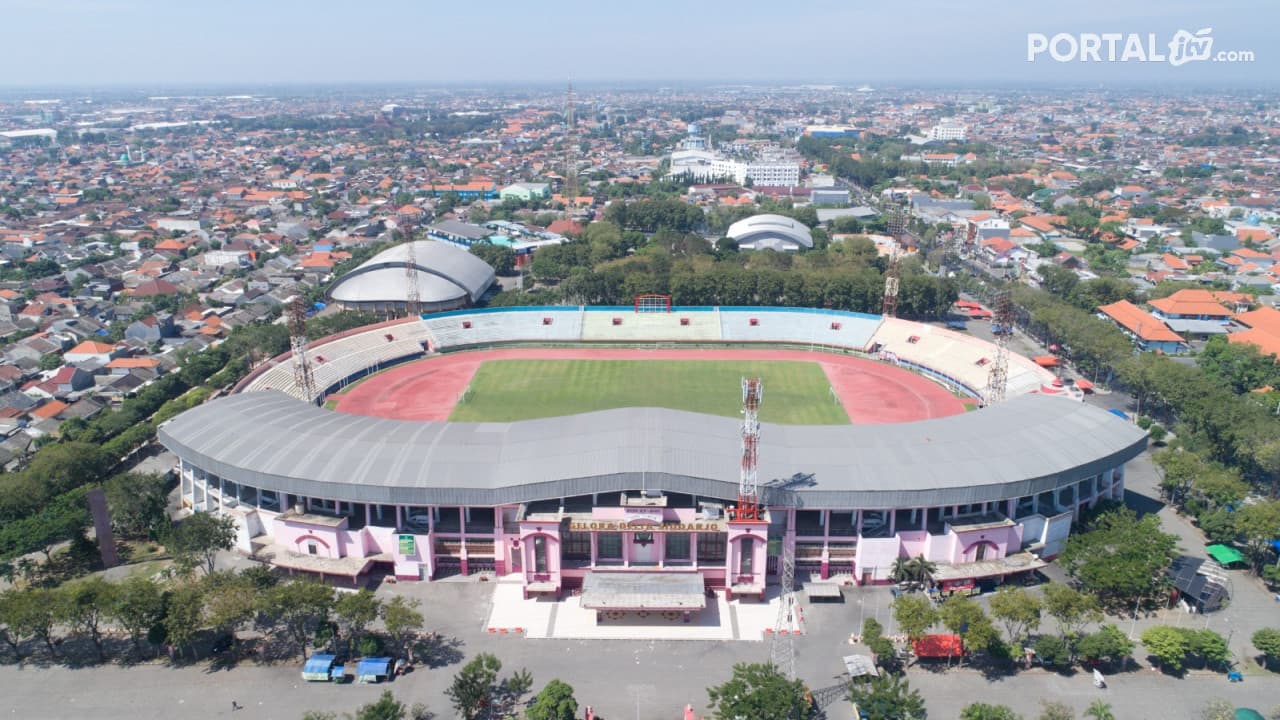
1140 322
50 409
1266 319
89 347
141 362
1266 343
1174 305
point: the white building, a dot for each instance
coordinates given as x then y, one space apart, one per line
948 131
705 166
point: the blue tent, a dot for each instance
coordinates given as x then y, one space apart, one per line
1275 544
1118 413
317 667
372 670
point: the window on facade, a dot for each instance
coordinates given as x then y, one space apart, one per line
711 547
677 546
744 560
539 554
311 548
609 546
577 546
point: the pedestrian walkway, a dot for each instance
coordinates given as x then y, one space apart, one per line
566 619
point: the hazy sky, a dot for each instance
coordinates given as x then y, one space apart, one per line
916 42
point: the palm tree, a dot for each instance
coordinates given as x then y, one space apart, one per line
1100 710
902 571
922 570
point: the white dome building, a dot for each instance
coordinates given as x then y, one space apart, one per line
771 232
448 278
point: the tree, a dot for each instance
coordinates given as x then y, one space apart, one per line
301 607
555 702
402 620
183 615
84 605
1052 650
501 259
983 711
138 606
914 615
473 689
1072 608
386 707
52 361
137 502
230 600
1267 641
27 613
1099 710
1210 646
1108 643
195 541
760 692
1018 609
887 698
965 617
1168 646
1121 558
355 611
1054 710
1259 524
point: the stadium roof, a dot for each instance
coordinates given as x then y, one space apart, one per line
445 273
770 230
1027 445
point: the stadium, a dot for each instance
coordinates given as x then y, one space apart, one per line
560 444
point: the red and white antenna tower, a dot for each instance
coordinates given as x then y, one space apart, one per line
749 482
302 377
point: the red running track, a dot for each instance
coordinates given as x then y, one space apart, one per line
872 392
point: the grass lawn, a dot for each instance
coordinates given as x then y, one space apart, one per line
795 393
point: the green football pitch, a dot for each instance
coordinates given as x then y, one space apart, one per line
795 393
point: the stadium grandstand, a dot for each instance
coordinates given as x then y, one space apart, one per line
985 495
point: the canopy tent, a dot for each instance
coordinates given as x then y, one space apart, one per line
859 665
1045 361
317 667
938 646
1224 554
371 670
1248 714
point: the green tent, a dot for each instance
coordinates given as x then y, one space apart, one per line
1225 555
1248 714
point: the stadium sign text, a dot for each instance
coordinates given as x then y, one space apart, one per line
605 525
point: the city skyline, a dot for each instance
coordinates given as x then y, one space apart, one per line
130 43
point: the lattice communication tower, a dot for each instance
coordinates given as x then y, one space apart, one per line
302 377
1002 326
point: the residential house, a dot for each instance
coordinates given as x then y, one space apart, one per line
1148 332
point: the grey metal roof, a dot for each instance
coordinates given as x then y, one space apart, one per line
1027 445
760 227
448 264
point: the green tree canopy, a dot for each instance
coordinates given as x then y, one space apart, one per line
1120 558
555 702
760 692
1018 610
914 615
983 711
888 697
196 541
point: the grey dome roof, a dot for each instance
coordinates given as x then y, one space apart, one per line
444 273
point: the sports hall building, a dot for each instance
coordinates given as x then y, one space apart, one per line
984 494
